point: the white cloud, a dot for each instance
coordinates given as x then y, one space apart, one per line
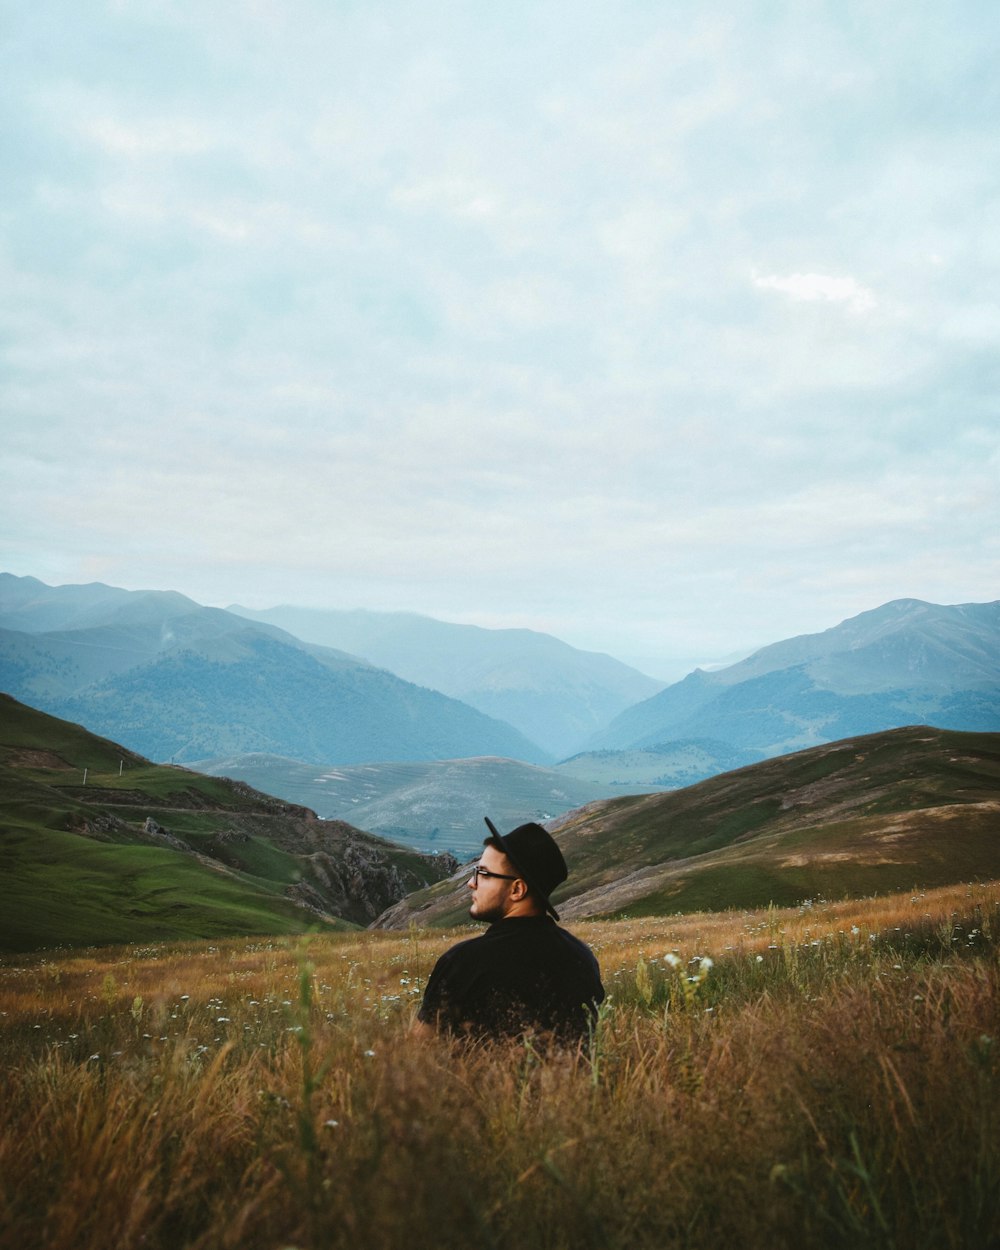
157 138
813 287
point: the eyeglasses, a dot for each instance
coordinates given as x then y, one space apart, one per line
478 871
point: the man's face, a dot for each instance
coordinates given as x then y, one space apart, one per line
490 894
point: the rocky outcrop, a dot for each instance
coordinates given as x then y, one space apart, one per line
359 881
155 832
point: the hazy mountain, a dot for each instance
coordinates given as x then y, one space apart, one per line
31 606
437 805
553 693
175 680
100 845
904 663
906 809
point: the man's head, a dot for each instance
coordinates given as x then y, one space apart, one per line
516 874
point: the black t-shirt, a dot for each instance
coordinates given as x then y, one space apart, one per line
524 973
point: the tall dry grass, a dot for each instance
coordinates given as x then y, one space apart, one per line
821 1076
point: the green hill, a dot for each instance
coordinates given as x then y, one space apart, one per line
99 845
665 766
914 807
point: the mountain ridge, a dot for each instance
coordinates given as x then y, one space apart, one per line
906 662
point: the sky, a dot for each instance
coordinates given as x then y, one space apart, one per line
670 329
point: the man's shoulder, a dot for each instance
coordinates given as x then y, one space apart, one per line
468 950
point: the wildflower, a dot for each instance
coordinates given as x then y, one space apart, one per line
760 959
672 959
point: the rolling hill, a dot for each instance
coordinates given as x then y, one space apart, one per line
905 663
666 766
99 845
177 681
907 808
555 694
432 806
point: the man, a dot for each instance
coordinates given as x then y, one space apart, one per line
524 974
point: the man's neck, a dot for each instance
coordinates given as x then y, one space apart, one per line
523 910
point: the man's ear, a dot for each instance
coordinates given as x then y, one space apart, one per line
518 889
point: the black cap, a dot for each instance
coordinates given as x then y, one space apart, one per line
534 853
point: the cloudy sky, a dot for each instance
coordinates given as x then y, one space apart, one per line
668 328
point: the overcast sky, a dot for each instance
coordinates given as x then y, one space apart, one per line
670 328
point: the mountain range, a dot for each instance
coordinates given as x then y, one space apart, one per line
556 695
177 681
904 663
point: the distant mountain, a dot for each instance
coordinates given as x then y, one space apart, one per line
905 663
906 809
100 845
30 605
177 681
432 806
554 694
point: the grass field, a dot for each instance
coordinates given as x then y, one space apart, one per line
820 1076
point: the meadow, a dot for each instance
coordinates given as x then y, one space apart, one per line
825 1075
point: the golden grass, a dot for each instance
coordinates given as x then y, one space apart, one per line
831 1080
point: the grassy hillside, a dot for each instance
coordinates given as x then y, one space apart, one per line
909 807
433 806
821 1077
99 845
